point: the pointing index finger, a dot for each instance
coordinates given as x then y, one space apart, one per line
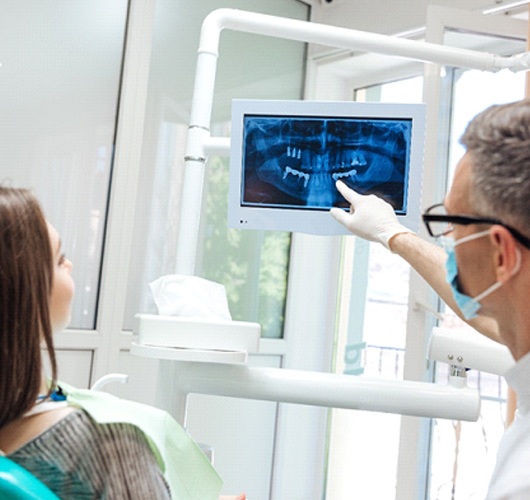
347 192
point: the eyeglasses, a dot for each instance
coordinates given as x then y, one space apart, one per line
439 223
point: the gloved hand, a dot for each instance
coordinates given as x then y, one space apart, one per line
370 217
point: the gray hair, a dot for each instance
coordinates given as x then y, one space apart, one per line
498 142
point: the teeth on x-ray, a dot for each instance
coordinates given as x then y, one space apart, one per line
358 159
293 171
340 175
294 153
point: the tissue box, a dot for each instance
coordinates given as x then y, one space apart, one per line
197 333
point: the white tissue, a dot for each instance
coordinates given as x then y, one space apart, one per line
191 297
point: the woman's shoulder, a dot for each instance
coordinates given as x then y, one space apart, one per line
77 429
27 428
78 452
74 429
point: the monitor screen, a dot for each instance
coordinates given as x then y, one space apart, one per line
286 157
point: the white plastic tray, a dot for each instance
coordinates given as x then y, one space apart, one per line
194 333
197 355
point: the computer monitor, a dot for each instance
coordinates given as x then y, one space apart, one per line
285 157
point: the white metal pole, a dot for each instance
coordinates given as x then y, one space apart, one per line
195 159
420 399
469 349
293 29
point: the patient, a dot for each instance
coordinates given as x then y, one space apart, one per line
57 440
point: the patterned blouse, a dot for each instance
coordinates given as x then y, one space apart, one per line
77 458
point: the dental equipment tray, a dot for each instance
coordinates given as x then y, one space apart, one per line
196 333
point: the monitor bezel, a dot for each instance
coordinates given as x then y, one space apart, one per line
308 220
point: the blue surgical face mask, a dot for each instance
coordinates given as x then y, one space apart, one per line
469 306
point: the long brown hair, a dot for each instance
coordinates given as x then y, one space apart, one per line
26 276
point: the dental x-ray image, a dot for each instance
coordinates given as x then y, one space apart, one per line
291 161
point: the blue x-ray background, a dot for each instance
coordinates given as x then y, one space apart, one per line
295 161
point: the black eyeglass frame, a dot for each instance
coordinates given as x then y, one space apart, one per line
467 220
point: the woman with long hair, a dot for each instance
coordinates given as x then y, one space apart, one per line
66 440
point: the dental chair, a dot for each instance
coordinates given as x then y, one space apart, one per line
16 483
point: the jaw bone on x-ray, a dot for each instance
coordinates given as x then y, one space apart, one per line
295 161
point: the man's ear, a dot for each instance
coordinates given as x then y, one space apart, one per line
506 254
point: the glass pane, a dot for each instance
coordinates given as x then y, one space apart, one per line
463 453
371 342
60 76
496 88
243 260
251 265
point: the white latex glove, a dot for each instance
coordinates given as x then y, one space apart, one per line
370 217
